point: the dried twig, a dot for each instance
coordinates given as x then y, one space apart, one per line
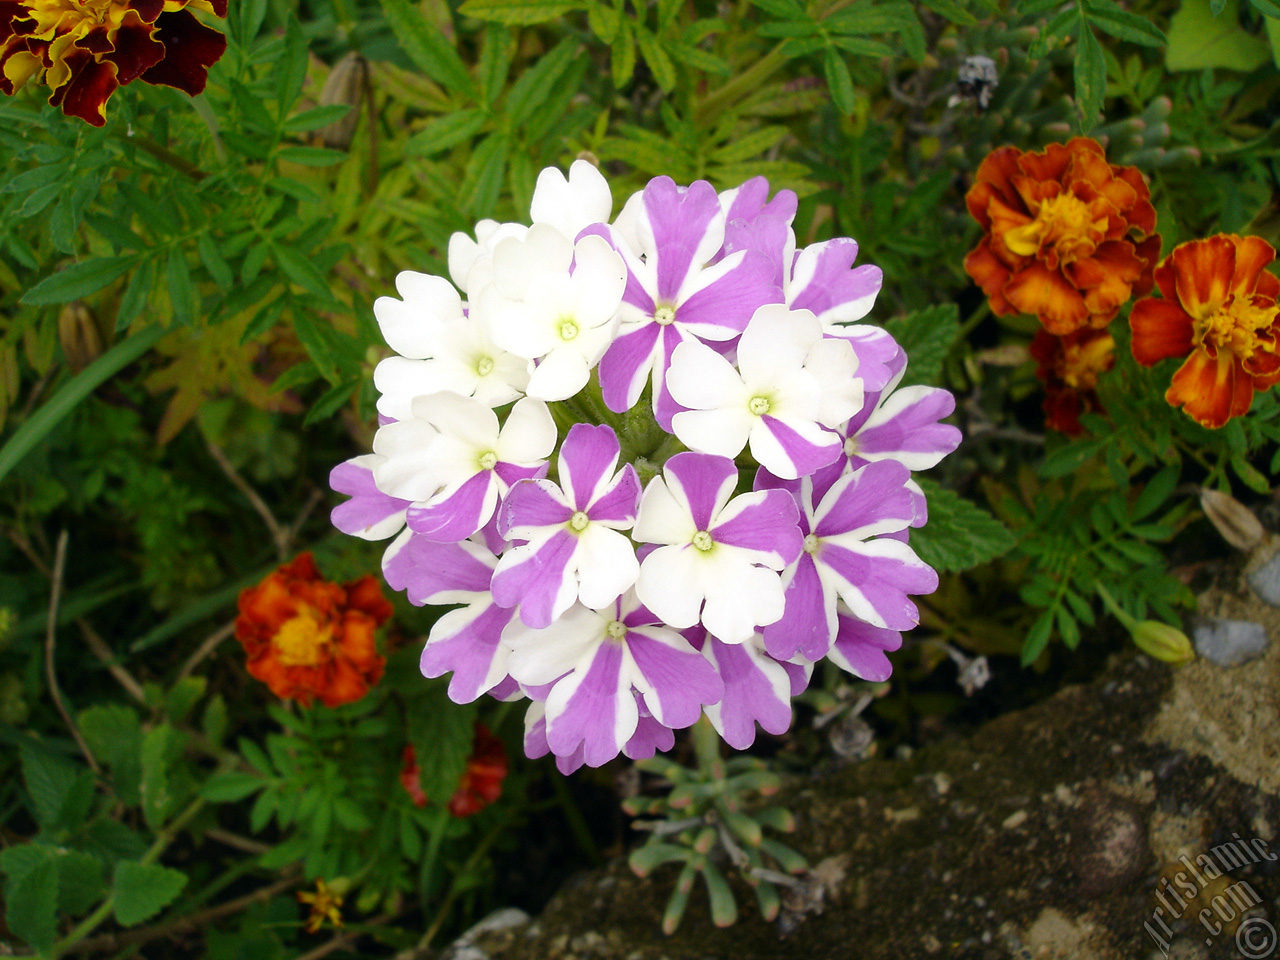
206 648
345 939
99 648
50 647
279 534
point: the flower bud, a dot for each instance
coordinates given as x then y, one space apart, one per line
1231 518
79 335
346 85
1163 642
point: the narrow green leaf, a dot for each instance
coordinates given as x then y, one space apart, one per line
315 118
495 61
622 56
312 156
135 294
78 280
664 71
302 271
446 131
427 47
483 180
1110 17
231 786
838 81
536 84
1090 77
1037 638
214 262
518 13
181 293
43 421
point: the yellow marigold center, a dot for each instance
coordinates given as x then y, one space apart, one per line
1235 325
1064 224
303 641
1082 363
49 14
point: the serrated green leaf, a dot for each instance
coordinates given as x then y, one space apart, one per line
214 261
749 145
1158 489
141 890
82 881
427 47
1037 638
959 534
536 84
50 780
77 280
441 733
664 71
302 271
1110 17
178 280
31 894
839 82
622 55
518 13
161 747
114 734
1090 77
926 336
485 171
446 131
316 117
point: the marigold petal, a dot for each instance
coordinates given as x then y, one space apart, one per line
191 49
991 275
1252 256
17 67
1046 294
1106 278
135 50
1203 270
1142 214
1211 390
92 83
994 178
1149 252
1161 329
1049 165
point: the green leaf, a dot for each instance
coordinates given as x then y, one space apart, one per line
214 262
959 534
291 69
43 421
31 894
427 47
654 854
1110 17
1198 39
724 910
483 180
537 83
441 733
518 13
302 271
447 130
1158 489
926 336
77 280
952 11
495 62
838 81
50 780
1090 76
114 734
1268 8
1254 480
312 156
316 117
161 747
231 786
182 697
141 890
752 144
1037 638
181 292
622 55
664 71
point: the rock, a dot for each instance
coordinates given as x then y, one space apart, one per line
1229 643
1264 578
1167 762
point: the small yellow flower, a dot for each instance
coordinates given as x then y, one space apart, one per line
325 903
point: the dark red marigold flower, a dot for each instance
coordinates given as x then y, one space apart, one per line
306 637
1069 368
83 49
481 782
1068 237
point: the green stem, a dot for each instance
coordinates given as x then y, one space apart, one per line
1126 621
747 82
706 747
433 850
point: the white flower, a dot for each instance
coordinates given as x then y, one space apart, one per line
469 260
571 203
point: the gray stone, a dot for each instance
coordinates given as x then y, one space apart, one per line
1265 580
1229 643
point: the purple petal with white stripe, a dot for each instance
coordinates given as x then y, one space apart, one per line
822 281
456 514
703 482
370 514
587 461
793 449
592 708
860 648
650 737
433 572
680 229
870 501
766 523
874 578
680 680
626 366
808 623
537 577
531 504
904 427
756 690
467 642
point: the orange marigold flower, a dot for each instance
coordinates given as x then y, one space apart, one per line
306 637
326 906
83 49
481 782
1219 311
1069 368
1069 237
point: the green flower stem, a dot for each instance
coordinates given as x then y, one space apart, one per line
1126 621
706 747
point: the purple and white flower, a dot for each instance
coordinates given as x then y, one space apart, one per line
788 384
719 555
569 547
370 514
594 660
847 557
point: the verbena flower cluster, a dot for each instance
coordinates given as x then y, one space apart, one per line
656 460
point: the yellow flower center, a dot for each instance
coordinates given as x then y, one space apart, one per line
665 315
1063 224
616 630
1235 325
579 521
702 541
1082 363
303 641
759 406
